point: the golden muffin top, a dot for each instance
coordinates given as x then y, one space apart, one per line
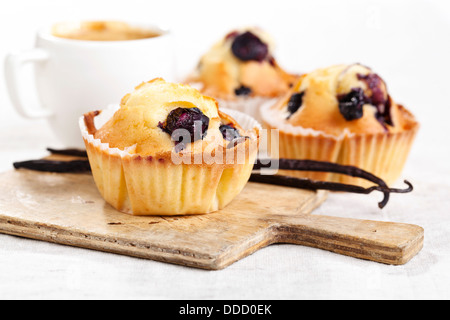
341 99
242 64
160 117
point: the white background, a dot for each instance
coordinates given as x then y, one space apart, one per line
406 42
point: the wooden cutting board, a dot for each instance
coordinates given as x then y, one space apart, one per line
67 209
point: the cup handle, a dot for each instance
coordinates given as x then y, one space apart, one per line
13 65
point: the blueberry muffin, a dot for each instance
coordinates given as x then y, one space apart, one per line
343 114
240 71
168 150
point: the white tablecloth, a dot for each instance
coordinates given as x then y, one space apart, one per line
35 269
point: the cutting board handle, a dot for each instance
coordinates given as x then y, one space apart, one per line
385 242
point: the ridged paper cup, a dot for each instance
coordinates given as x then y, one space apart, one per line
383 155
157 186
249 105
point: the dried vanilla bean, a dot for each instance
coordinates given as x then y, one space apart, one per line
324 185
79 166
323 166
75 166
320 166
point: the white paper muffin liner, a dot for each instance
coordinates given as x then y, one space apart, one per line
251 106
148 186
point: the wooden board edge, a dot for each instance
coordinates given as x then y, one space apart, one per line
391 255
61 236
264 237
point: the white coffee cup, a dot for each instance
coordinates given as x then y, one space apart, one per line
76 76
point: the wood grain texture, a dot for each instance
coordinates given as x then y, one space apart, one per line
67 209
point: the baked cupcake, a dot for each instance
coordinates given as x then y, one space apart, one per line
343 114
168 150
240 71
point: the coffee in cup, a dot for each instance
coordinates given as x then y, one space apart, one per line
102 31
83 66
